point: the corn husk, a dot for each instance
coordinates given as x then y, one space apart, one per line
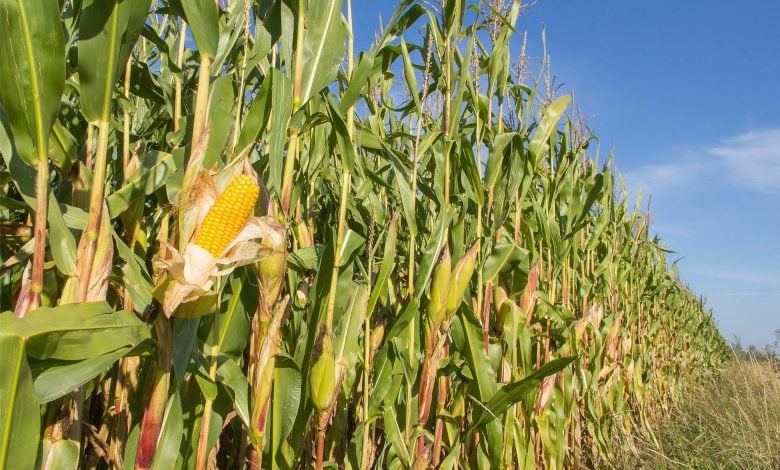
322 379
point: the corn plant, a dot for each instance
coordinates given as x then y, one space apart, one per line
232 241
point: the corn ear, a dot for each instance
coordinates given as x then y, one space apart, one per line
271 269
322 381
228 215
460 278
439 288
528 297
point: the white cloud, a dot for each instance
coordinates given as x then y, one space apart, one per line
745 294
750 161
678 232
665 176
744 275
753 159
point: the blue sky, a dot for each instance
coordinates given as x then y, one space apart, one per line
687 94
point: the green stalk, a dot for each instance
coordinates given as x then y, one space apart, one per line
119 422
95 209
242 81
154 409
201 100
39 251
177 77
292 146
126 122
205 422
89 146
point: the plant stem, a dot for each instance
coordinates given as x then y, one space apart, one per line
177 77
202 455
39 251
126 122
201 100
292 146
242 81
154 409
96 202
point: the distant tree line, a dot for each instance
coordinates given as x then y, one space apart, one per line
770 352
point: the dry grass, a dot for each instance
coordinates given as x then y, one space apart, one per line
731 420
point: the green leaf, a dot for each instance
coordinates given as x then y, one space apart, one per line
22 175
483 373
281 108
514 392
411 80
137 281
349 247
108 30
323 46
32 72
393 432
59 378
502 258
207 387
388 264
203 18
496 158
432 252
229 375
221 119
155 168
256 119
62 454
348 328
306 258
539 143
358 80
75 331
286 399
341 136
185 334
234 320
407 200
171 435
61 241
63 147
19 408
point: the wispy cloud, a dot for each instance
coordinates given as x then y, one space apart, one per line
662 177
744 294
753 159
742 275
676 231
750 161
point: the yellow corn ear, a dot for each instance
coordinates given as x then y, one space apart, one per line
228 215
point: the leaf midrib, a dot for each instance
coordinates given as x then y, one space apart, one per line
110 65
36 92
316 58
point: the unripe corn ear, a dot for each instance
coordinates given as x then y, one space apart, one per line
322 381
461 276
439 288
499 294
271 268
228 215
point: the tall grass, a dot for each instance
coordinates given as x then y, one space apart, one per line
439 268
728 420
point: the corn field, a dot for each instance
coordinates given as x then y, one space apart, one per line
230 240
